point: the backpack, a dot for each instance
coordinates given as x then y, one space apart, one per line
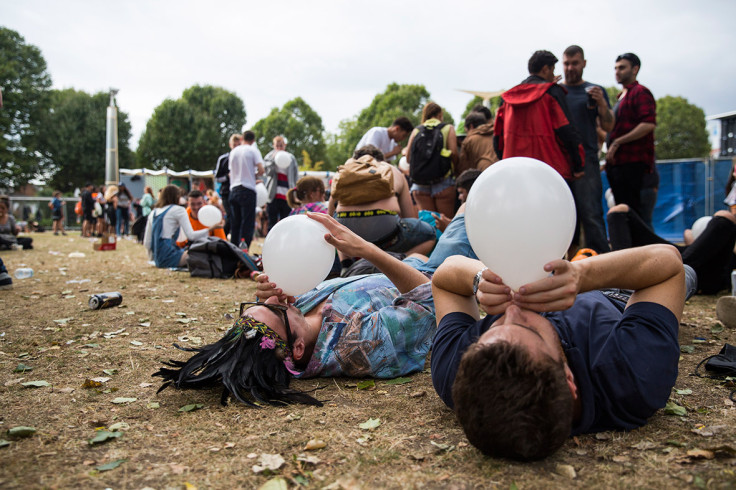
362 180
427 165
222 173
217 258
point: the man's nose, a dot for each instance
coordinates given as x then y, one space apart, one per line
513 314
272 300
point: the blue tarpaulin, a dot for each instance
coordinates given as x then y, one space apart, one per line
688 190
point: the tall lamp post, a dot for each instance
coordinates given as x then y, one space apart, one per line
111 154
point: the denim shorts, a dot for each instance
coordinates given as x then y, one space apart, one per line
411 232
433 189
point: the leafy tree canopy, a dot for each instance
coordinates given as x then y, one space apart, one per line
299 124
25 85
73 140
680 131
190 132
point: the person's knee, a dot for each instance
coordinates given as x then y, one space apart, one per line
619 208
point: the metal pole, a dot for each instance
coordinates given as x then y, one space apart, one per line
111 155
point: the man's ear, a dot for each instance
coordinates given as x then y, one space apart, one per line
297 351
572 386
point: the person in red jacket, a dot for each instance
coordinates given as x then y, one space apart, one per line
533 121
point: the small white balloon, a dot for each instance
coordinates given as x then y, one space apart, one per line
261 195
700 225
283 160
403 165
610 200
519 215
209 215
296 256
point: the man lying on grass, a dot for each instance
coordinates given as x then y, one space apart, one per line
377 325
560 357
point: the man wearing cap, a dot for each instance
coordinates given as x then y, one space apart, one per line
589 108
631 142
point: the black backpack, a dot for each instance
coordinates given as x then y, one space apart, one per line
217 258
222 169
427 165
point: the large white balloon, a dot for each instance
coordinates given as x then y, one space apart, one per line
261 195
295 254
283 160
209 215
700 225
519 215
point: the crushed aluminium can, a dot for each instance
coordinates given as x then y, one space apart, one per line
105 300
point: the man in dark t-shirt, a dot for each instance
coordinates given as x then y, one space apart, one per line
558 357
88 206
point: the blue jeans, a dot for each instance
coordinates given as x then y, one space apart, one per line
587 191
454 241
243 208
122 218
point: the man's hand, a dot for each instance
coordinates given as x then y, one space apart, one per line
493 295
554 293
393 152
441 222
611 154
577 175
266 289
340 236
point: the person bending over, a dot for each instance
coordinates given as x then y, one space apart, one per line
378 325
560 357
711 255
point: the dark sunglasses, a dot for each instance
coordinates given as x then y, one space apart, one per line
278 309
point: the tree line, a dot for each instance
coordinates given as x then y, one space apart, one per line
58 136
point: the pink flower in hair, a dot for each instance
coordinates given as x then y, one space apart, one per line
289 365
267 343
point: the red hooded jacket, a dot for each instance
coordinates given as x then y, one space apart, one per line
533 121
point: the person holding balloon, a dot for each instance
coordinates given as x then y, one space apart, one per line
210 215
377 325
557 354
282 173
163 226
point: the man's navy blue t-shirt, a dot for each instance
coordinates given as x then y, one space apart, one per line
584 118
625 364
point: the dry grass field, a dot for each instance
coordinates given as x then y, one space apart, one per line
99 423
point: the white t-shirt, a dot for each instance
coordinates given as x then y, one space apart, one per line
243 163
379 138
176 218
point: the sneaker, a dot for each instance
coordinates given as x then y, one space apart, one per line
726 311
6 282
584 253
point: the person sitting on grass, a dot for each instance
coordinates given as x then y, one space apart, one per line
377 325
307 196
195 201
163 227
560 357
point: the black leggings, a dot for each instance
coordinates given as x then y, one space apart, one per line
711 255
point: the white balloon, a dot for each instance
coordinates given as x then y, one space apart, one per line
261 195
700 225
403 164
296 256
283 160
610 200
209 215
519 215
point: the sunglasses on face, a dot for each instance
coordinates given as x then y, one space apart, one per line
279 310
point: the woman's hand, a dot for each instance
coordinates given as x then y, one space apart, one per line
266 289
340 236
493 295
554 293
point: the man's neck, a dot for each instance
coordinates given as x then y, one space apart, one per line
574 84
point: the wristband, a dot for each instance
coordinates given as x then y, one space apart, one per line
476 280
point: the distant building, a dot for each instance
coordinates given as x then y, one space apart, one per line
722 130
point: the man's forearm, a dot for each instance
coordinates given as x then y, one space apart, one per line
641 130
605 118
404 277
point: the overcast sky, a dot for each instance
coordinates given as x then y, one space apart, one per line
337 55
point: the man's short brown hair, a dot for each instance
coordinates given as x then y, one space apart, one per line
510 404
237 137
249 136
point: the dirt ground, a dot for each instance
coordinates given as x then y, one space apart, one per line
93 359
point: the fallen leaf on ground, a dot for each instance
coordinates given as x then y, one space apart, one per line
111 465
442 447
110 372
120 400
88 384
366 384
315 444
270 462
104 436
687 349
398 381
708 431
21 431
4 443
191 407
684 392
673 408
153 405
22 368
644 445
119 426
137 343
145 385
370 424
309 459
101 379
701 454
566 470
418 394
36 384
277 483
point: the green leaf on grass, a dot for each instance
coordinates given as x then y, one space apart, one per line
111 465
4 443
153 405
277 483
673 408
687 349
104 436
717 328
684 392
22 368
398 381
121 399
21 431
366 384
191 407
370 424
36 384
110 372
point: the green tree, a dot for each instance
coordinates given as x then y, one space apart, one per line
190 132
680 131
25 85
613 92
495 104
73 140
396 101
299 124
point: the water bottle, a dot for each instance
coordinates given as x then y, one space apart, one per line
23 273
243 246
733 282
